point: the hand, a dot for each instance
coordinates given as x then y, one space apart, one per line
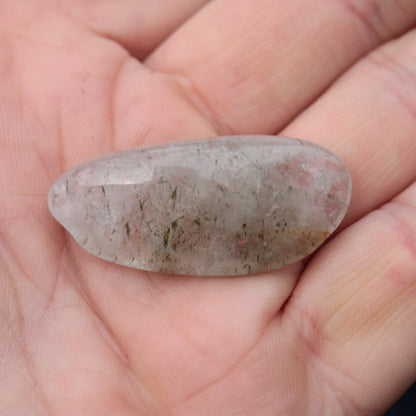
81 336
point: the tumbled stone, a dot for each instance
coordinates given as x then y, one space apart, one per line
220 206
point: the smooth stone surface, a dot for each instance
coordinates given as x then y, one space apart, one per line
221 206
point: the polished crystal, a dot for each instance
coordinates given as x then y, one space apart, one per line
220 206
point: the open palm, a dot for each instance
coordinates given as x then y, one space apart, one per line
80 336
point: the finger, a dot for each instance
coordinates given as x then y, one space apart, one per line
368 118
138 25
354 309
251 66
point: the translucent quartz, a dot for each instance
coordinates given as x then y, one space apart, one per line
220 206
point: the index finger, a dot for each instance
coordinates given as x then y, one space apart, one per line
252 66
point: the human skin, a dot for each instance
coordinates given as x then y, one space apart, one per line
333 335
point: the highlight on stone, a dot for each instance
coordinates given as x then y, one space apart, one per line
220 206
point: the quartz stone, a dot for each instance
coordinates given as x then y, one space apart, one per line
220 206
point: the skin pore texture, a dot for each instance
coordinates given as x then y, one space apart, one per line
331 336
